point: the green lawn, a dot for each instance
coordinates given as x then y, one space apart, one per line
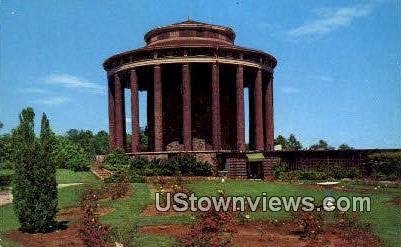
384 217
126 217
65 176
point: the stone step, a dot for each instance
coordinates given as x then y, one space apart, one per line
101 172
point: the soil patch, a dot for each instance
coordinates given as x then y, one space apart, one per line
74 214
60 238
63 238
396 201
274 234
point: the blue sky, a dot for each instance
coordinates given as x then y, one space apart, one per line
338 75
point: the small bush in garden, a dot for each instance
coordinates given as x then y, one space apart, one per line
309 224
385 165
118 160
212 228
186 164
92 232
117 187
346 220
280 169
6 180
312 175
124 234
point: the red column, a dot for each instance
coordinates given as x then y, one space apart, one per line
269 121
134 112
216 128
258 112
240 108
158 111
186 108
111 115
119 112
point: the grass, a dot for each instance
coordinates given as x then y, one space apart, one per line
384 217
127 214
65 176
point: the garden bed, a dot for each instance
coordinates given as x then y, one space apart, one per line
275 234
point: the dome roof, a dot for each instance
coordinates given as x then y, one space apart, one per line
190 32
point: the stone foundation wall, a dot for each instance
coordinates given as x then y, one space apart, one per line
268 163
236 167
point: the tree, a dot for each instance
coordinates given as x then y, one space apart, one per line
281 140
344 146
321 145
293 143
101 141
1 125
71 156
35 198
83 138
46 178
24 155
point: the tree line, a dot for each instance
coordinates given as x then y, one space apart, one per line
292 144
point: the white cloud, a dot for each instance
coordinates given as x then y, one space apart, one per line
70 81
51 101
34 91
330 20
128 120
289 89
322 78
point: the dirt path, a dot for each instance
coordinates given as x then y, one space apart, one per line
6 197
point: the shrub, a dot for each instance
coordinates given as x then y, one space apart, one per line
6 152
92 232
70 156
35 190
6 180
118 160
185 164
280 169
385 165
313 175
309 224
339 172
116 186
79 163
212 228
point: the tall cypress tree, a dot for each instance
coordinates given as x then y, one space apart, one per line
35 187
46 178
25 156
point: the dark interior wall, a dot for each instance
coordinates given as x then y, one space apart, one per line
201 100
145 83
172 103
228 106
